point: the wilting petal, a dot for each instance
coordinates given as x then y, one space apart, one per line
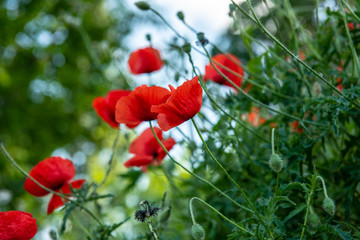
55 202
145 60
53 173
229 61
183 104
135 108
139 161
17 225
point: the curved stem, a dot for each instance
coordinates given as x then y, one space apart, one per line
232 180
255 100
216 211
195 175
12 161
323 184
293 55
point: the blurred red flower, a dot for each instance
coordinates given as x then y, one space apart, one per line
105 107
147 150
351 26
135 108
183 104
54 173
228 60
295 127
145 60
17 225
254 117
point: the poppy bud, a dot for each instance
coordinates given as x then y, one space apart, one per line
148 37
201 36
186 47
198 232
142 5
329 205
276 163
164 215
180 15
314 219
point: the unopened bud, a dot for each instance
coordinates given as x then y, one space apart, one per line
142 5
148 37
198 232
201 36
314 219
186 47
329 206
276 163
180 15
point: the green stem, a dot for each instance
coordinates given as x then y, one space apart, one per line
111 157
216 211
12 161
293 55
313 184
351 11
195 175
323 184
272 141
153 233
255 100
231 179
277 183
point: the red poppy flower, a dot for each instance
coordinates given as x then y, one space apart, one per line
147 150
145 60
295 127
254 117
229 61
183 104
351 26
135 108
17 225
105 107
54 173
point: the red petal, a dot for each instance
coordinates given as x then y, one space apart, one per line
55 202
77 184
146 143
105 107
168 144
184 103
139 161
135 108
17 225
53 173
228 60
145 60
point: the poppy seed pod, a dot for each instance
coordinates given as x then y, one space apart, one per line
142 5
198 232
329 205
180 15
186 47
276 163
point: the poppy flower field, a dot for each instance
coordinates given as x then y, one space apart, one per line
254 135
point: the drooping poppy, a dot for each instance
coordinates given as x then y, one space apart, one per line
147 150
54 173
135 108
105 107
295 127
231 62
145 60
183 104
17 225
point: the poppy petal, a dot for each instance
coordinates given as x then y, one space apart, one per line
183 104
17 225
135 108
145 143
231 62
53 173
139 161
76 184
145 60
55 202
168 144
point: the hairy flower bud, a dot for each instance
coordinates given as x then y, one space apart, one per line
276 163
142 5
180 15
186 47
329 205
198 232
